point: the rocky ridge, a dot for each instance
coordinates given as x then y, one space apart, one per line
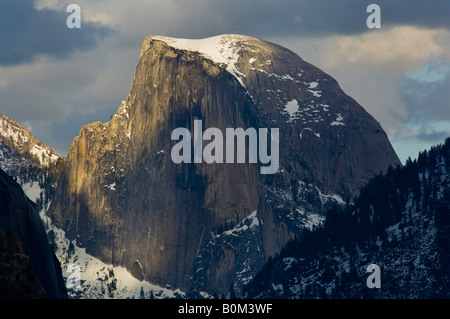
15 136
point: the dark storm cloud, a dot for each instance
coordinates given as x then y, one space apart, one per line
26 32
430 14
308 17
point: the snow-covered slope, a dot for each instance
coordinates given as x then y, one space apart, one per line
20 139
31 163
98 280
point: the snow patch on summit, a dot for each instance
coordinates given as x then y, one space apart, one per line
222 49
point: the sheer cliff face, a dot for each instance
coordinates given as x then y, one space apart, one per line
122 194
122 197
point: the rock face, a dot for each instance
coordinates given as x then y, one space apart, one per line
20 219
27 182
122 197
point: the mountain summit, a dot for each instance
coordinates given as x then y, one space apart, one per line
207 227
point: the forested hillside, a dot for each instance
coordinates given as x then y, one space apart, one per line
400 222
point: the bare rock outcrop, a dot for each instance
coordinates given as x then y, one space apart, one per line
124 199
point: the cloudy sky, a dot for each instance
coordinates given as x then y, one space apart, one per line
53 79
